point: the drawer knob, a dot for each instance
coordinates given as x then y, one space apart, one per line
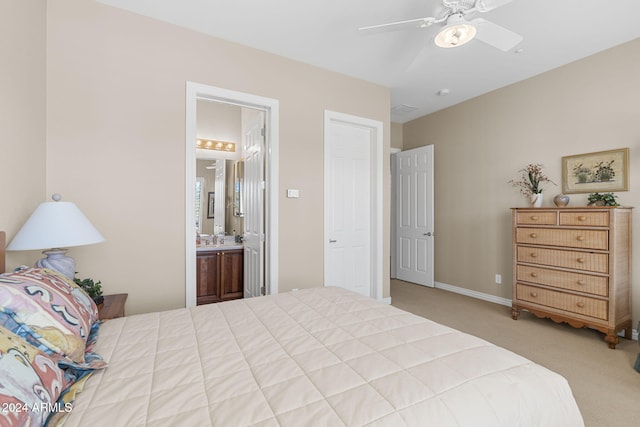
534 218
533 235
580 260
580 238
580 304
582 218
533 255
534 274
534 294
580 282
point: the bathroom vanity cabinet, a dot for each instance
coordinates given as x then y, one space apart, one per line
219 275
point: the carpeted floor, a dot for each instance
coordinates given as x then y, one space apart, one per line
604 383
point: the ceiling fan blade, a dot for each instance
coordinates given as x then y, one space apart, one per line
495 35
487 5
424 22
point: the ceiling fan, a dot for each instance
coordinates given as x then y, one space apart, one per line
457 30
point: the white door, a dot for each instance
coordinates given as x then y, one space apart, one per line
253 201
350 206
414 215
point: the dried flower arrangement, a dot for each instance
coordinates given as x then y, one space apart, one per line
531 179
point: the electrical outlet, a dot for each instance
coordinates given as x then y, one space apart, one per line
498 279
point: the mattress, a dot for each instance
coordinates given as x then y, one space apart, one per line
315 357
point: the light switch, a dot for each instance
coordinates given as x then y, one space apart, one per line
293 193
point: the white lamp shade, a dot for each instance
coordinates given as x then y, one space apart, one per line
55 225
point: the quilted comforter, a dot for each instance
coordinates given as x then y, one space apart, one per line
316 357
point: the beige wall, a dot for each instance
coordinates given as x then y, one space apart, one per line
219 121
590 105
22 116
115 142
396 135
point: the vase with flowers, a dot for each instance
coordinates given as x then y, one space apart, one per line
530 183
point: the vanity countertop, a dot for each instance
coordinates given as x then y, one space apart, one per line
209 248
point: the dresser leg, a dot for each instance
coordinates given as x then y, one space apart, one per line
515 313
612 339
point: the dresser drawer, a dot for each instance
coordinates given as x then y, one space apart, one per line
586 306
591 219
533 217
585 261
583 239
596 285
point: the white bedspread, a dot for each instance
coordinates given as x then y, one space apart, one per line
316 357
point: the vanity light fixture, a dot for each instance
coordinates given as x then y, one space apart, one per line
457 32
209 144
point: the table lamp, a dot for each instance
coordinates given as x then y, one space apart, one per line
56 225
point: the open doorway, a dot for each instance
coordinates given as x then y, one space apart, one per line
269 236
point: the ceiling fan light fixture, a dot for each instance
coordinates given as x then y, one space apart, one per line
457 32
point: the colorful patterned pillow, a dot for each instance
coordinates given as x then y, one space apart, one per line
30 382
48 310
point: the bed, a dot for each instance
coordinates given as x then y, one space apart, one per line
315 357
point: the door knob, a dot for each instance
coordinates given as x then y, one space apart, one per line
332 241
428 233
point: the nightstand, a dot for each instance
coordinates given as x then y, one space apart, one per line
113 306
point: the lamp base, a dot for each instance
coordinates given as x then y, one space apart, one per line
57 260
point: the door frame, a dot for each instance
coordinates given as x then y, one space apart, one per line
376 128
392 152
198 91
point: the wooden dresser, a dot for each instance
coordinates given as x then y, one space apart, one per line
573 265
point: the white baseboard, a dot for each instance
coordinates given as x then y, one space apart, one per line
473 294
385 300
495 299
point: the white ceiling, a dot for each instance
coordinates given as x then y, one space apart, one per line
325 33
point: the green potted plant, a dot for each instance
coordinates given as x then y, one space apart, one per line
93 289
604 199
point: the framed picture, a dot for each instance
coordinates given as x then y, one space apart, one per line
211 204
602 171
